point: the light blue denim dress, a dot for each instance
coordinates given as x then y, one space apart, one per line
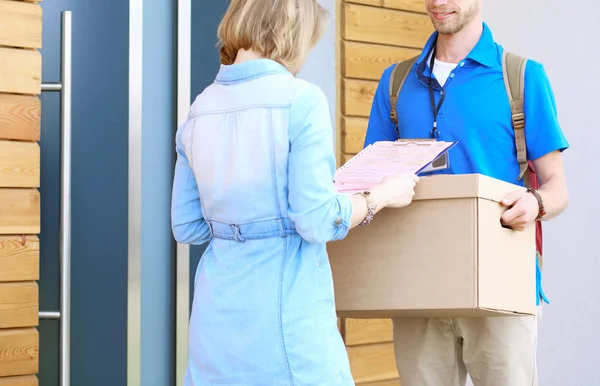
254 178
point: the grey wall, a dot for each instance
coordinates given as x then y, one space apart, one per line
564 37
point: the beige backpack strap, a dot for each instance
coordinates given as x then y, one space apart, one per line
513 70
397 78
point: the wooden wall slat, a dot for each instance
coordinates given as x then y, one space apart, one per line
19 351
366 331
374 34
25 380
353 133
20 110
372 362
19 211
391 382
346 157
20 117
19 164
20 71
20 24
376 3
406 5
19 262
368 61
18 304
358 97
379 25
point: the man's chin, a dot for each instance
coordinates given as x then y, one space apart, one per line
445 29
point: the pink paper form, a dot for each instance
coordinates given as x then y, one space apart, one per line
386 158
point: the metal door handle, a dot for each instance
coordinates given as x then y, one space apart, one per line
64 87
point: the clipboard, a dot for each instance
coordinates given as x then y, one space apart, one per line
385 158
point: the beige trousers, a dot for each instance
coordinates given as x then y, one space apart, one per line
498 351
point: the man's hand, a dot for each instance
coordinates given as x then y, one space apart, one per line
522 212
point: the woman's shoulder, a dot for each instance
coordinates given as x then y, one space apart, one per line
308 96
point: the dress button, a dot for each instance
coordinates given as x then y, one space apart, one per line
462 64
338 221
452 75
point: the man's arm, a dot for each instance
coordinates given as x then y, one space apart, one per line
553 191
545 144
553 184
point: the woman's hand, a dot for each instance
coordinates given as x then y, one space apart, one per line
397 191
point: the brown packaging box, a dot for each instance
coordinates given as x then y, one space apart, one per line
445 255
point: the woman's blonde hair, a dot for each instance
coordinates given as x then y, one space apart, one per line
280 30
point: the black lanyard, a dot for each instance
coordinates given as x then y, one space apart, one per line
434 133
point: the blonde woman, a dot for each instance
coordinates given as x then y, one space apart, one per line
254 179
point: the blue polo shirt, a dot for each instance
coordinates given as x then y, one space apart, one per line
475 112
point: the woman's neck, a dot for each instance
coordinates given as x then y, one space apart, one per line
246 56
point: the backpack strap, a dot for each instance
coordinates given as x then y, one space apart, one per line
513 70
397 78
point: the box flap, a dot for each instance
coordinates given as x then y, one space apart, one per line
507 313
506 274
450 186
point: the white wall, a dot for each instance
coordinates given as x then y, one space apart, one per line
320 64
564 37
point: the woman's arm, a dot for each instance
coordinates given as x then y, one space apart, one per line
319 212
187 221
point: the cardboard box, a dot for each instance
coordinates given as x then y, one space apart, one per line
445 255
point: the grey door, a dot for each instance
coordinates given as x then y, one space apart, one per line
99 193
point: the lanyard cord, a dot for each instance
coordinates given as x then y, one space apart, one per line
434 133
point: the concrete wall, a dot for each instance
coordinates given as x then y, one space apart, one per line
562 38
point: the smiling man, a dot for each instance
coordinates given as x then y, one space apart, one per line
455 91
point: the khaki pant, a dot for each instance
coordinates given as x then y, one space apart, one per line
499 351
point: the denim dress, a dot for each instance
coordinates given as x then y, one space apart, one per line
253 178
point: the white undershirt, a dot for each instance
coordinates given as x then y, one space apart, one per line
441 70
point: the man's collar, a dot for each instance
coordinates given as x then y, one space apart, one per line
484 52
